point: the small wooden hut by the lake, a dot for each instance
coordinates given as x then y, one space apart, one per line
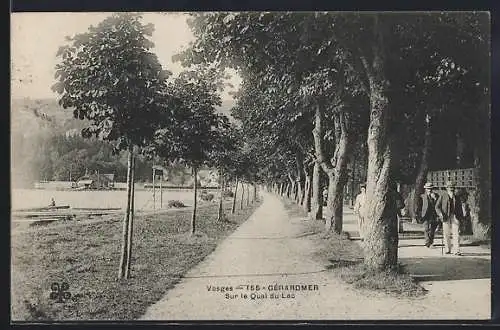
96 181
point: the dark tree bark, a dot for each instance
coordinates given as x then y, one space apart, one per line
220 213
291 190
353 180
460 148
306 201
338 179
337 173
248 194
424 165
481 209
126 220
300 192
233 209
195 200
242 195
317 197
381 238
299 159
131 222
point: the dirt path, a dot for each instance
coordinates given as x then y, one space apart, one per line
271 251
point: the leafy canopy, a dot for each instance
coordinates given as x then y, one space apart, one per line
110 77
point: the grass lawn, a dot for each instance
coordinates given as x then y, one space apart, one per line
344 258
87 258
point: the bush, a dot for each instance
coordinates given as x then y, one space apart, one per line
175 203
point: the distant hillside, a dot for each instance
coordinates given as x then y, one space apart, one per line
42 147
34 116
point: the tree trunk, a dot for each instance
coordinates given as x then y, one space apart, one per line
460 148
242 195
424 166
131 222
161 191
335 204
248 194
291 191
299 160
255 197
304 191
195 200
233 209
353 180
329 201
126 219
337 175
306 203
381 228
317 197
300 193
481 209
154 187
220 214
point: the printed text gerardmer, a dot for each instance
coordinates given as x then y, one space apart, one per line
270 287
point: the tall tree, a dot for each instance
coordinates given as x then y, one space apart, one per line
110 77
192 135
291 53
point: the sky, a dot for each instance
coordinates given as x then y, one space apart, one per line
36 37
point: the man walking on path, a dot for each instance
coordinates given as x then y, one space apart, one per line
426 213
359 207
449 212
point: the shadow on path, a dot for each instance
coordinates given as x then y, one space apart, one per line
447 268
339 263
256 274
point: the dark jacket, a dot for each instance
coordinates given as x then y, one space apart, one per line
426 208
445 209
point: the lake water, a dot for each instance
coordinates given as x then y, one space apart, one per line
27 198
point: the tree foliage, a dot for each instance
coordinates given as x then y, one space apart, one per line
346 77
110 77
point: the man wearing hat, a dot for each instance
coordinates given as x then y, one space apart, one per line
449 212
359 209
426 213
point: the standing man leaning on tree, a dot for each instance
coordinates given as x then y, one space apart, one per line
426 213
